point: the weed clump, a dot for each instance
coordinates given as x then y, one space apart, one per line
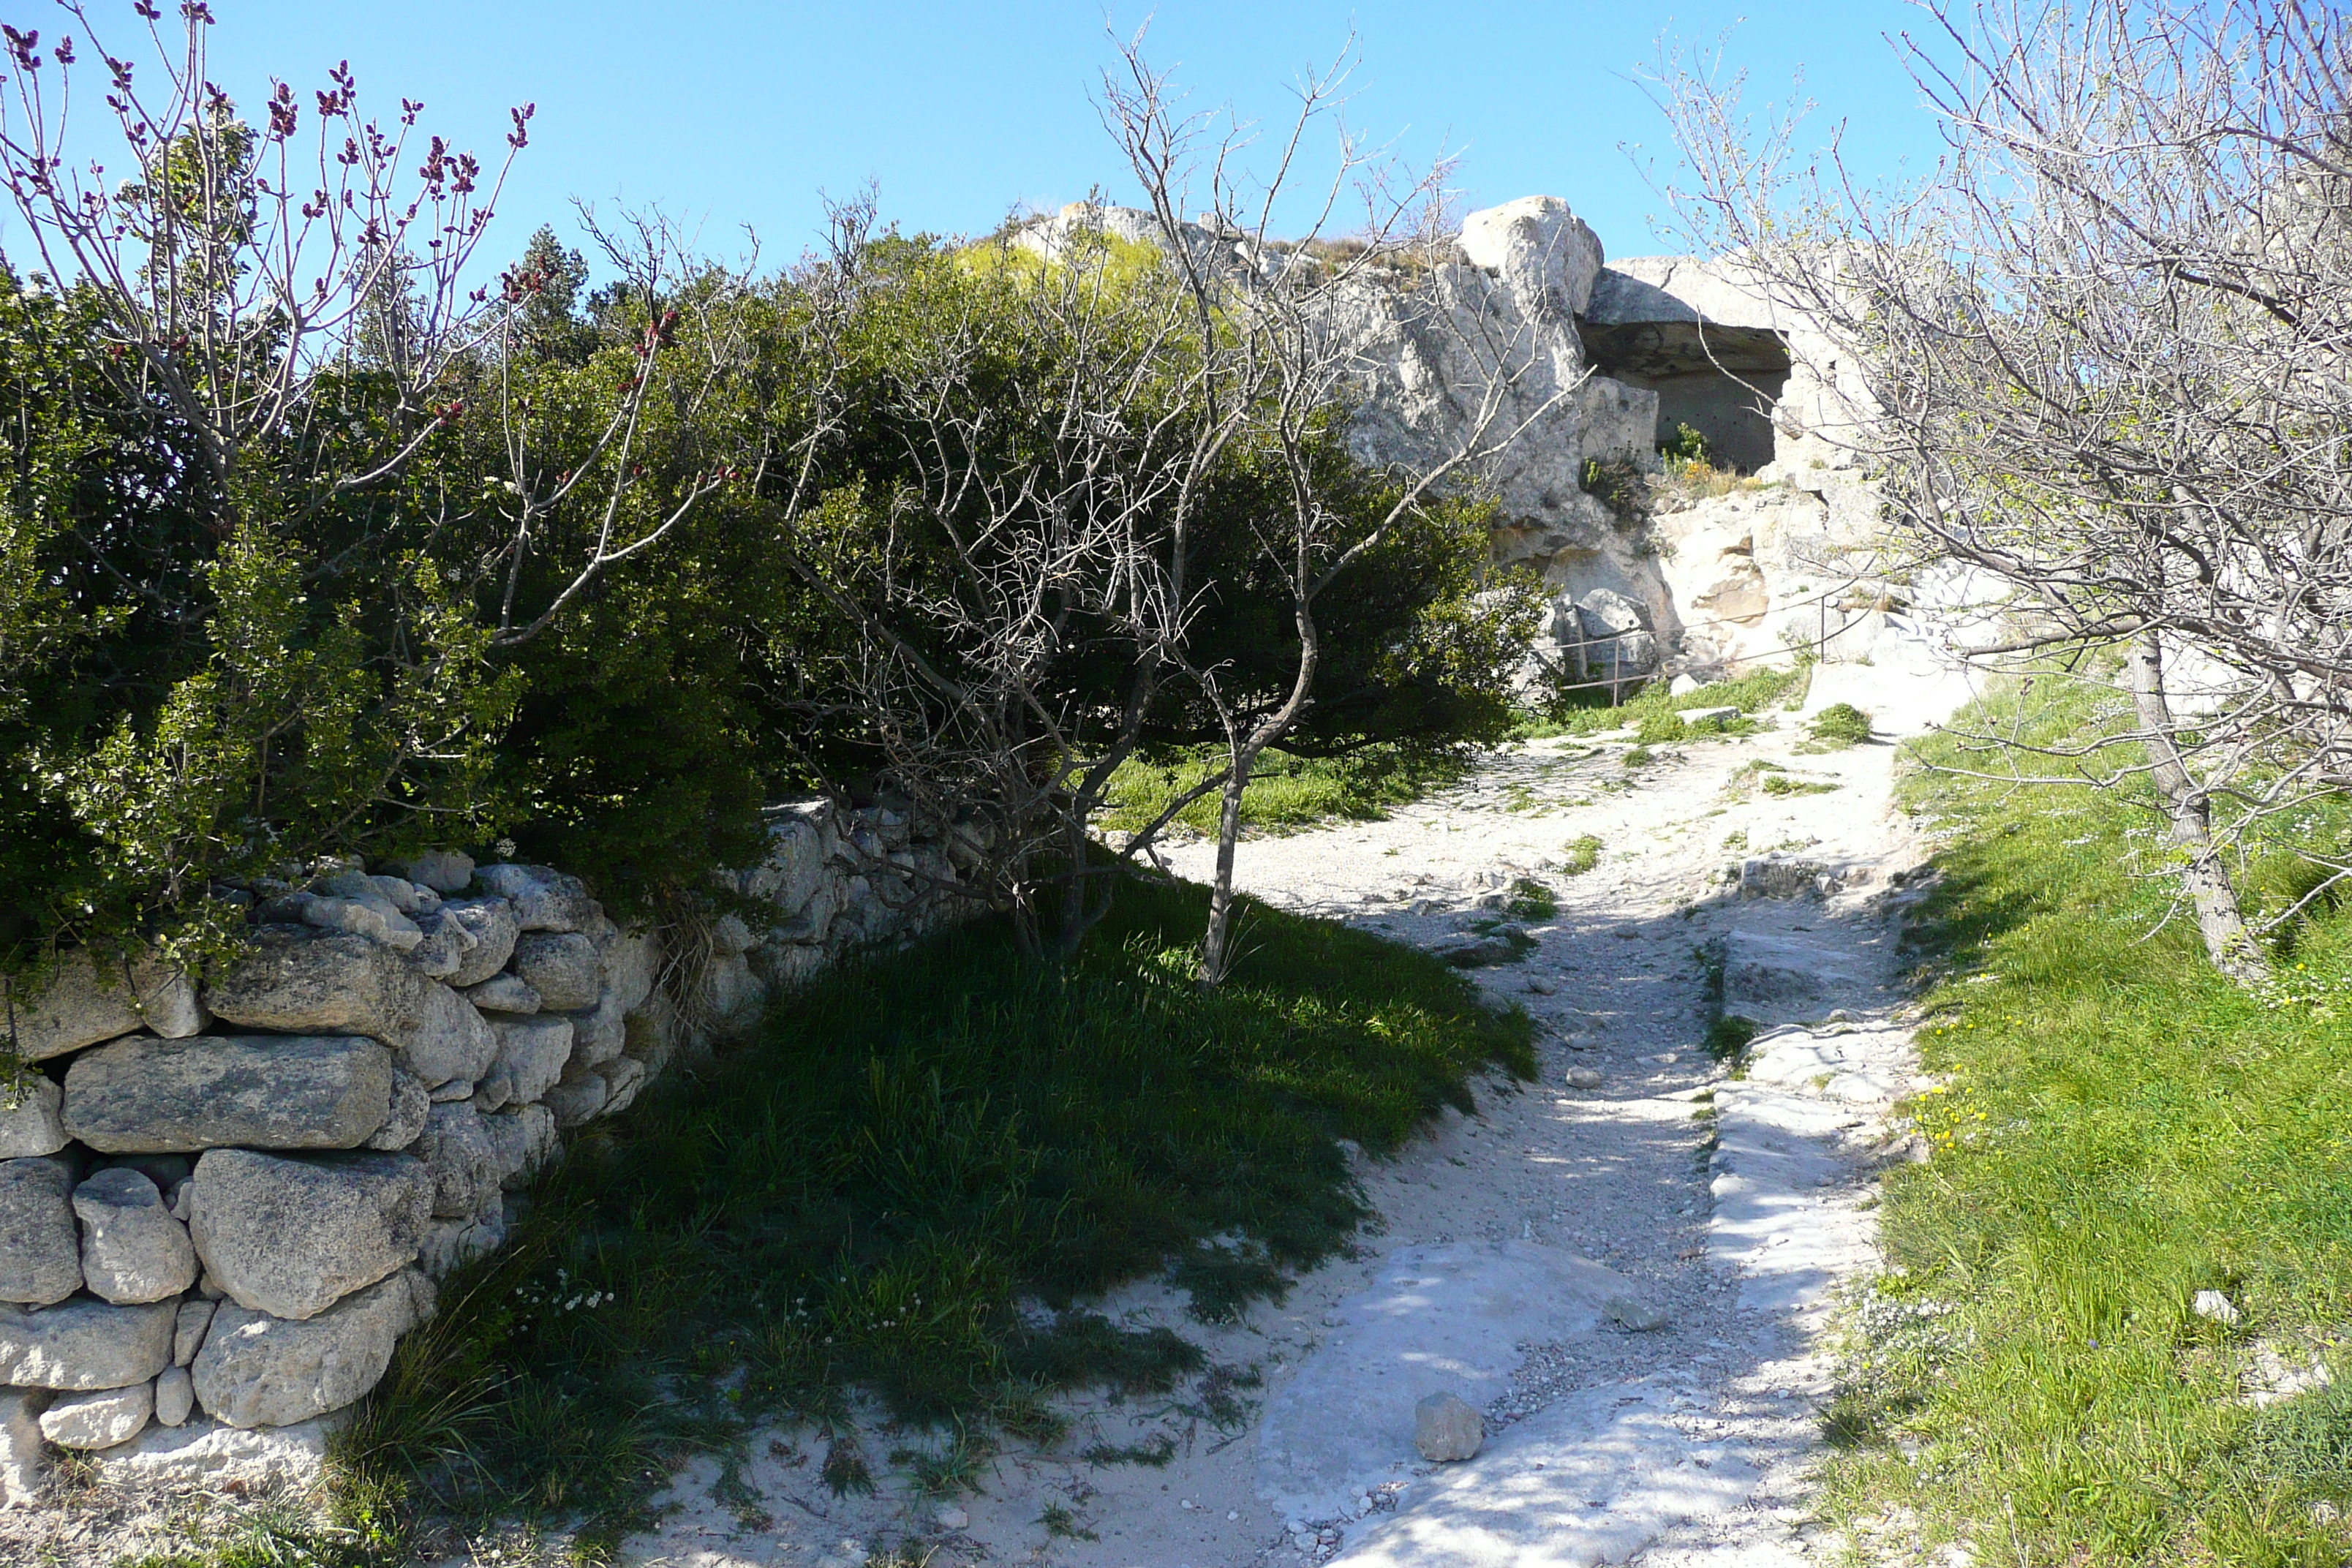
1583 854
1531 900
1842 723
1784 785
1661 728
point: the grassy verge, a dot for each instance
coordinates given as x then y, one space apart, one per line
1286 793
2120 1129
1654 712
883 1192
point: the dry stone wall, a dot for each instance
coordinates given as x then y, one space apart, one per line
222 1206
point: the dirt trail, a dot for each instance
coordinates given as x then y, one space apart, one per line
1514 1245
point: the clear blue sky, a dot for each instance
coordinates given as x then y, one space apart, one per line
729 112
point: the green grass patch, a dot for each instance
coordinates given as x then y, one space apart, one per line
1581 854
1286 793
1760 691
1784 784
887 1188
1531 900
2120 1129
1842 723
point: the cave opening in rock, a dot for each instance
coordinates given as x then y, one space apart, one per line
1705 346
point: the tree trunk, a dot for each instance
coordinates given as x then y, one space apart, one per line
1216 958
2205 878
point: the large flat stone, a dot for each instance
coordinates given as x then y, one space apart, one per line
544 899
86 999
290 1237
99 1420
84 1344
221 1458
132 1251
40 1257
533 1053
256 1370
29 1122
494 925
562 967
261 1092
297 981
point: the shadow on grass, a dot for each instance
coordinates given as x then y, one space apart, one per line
891 1185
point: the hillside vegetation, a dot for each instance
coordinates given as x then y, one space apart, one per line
2119 1129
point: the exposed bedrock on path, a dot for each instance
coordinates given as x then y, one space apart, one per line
1437 1320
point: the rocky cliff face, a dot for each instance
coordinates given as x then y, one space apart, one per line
1646 578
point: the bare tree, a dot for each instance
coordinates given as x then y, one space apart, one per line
2102 357
1278 332
1014 596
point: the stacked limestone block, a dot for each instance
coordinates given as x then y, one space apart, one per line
834 880
222 1209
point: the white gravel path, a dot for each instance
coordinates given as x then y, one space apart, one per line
1735 1205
